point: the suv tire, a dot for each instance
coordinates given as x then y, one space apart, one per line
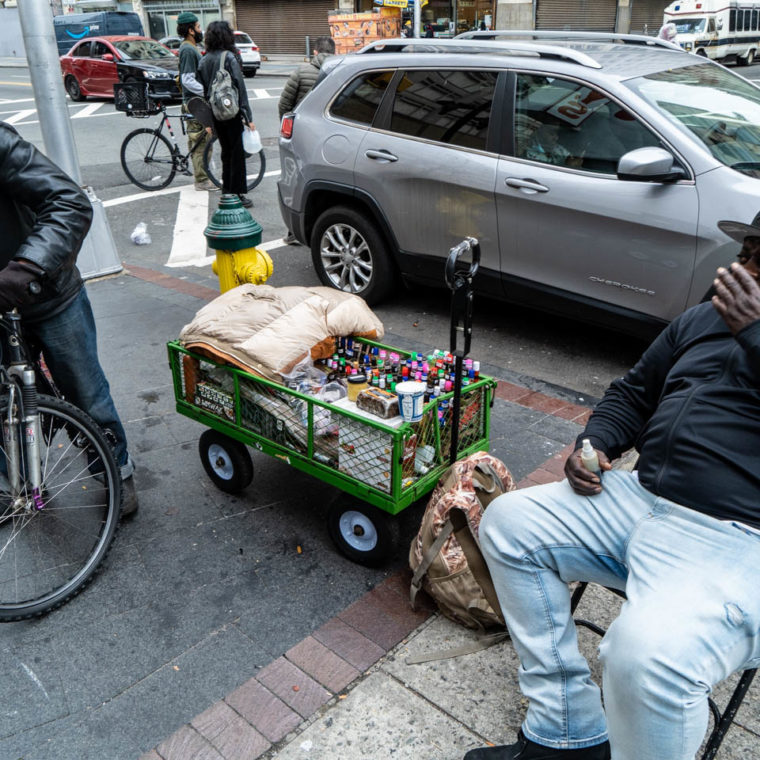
350 254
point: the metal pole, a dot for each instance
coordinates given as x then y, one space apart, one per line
417 18
98 255
308 45
45 72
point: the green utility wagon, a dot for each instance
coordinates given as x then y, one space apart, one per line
382 466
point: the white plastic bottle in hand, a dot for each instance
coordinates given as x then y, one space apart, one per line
589 458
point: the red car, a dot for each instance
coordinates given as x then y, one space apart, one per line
94 65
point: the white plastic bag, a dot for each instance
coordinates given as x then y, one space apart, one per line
251 141
140 235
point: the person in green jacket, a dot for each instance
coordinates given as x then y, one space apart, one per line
189 28
305 76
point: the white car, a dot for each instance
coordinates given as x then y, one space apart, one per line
249 53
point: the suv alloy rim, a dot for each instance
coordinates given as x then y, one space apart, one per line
346 258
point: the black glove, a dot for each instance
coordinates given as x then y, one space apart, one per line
19 284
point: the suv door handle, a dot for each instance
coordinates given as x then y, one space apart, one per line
526 184
381 155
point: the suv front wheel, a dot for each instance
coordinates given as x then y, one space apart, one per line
349 254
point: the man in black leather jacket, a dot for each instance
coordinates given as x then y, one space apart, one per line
44 217
681 537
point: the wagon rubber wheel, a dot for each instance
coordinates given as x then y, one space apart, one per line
226 461
361 532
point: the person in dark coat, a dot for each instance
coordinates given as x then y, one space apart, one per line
219 38
680 535
44 218
303 79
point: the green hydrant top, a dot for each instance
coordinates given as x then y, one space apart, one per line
231 227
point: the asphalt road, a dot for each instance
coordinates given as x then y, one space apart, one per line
515 343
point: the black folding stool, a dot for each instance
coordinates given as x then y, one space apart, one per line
723 720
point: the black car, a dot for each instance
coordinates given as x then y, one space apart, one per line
94 65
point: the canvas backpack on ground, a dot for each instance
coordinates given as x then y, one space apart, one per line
223 96
445 555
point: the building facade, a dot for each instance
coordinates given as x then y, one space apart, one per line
288 26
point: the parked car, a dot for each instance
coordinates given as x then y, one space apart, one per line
250 57
94 66
593 171
173 44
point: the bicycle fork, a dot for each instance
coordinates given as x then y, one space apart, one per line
24 470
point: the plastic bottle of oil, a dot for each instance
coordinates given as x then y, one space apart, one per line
589 458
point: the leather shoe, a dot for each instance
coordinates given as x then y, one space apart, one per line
528 750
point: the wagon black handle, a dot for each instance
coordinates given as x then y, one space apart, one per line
454 268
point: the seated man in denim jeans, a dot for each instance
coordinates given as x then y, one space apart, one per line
44 217
681 537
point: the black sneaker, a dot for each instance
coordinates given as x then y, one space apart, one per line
246 201
528 750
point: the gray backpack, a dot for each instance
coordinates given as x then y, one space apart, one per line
223 96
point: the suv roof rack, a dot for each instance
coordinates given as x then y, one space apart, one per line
625 39
427 45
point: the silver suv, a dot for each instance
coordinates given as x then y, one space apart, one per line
592 168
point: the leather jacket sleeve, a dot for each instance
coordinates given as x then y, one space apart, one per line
58 213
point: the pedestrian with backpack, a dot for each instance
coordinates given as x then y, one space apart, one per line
189 28
224 87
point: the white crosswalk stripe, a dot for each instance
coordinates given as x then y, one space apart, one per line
92 110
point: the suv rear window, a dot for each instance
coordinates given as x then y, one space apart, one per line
360 98
445 106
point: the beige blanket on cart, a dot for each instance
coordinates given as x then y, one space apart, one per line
268 330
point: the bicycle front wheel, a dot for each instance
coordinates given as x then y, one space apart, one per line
52 543
148 159
255 165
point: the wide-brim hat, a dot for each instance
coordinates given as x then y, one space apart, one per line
738 230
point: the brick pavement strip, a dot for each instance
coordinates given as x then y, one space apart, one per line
320 663
229 733
351 645
263 710
293 686
187 744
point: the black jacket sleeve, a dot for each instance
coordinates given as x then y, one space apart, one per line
60 213
631 400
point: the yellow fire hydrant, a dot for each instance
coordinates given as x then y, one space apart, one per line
234 234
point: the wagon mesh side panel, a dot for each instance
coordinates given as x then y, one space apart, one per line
365 453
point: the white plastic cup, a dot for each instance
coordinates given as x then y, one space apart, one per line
411 400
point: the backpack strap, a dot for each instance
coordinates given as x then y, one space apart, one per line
428 555
482 642
459 518
221 61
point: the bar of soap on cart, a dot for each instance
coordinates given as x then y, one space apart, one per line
379 402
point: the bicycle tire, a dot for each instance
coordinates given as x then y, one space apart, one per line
255 165
48 555
143 153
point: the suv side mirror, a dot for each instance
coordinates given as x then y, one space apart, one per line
649 165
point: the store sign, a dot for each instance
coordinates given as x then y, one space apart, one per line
576 107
